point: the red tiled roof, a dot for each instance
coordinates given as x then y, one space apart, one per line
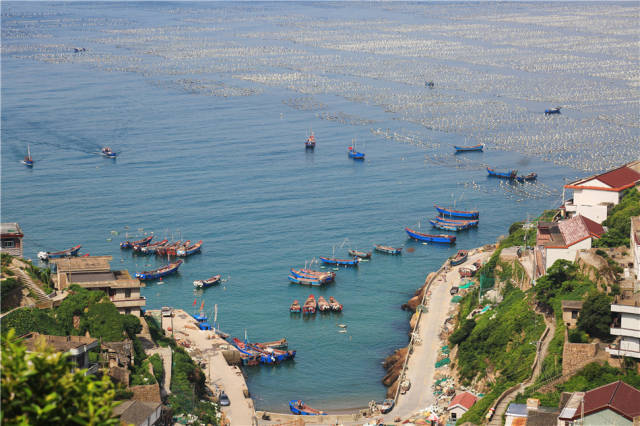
617 179
579 228
617 396
465 399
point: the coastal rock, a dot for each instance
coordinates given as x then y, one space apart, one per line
413 321
412 304
393 365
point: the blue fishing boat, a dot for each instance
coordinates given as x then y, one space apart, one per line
459 258
140 243
387 249
46 255
478 147
315 282
340 262
526 178
441 238
457 221
448 226
247 350
160 272
467 214
550 111
298 407
310 143
323 277
511 174
360 254
28 160
279 355
189 250
107 152
355 154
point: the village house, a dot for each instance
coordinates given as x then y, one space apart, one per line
138 413
626 324
614 404
634 243
460 404
78 348
11 236
94 273
570 311
530 414
595 195
563 240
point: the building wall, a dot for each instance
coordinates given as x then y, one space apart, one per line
553 254
593 197
575 355
568 317
630 321
12 246
606 417
595 213
459 411
630 344
635 250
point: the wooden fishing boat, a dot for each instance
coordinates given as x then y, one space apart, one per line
511 174
459 258
531 176
355 154
189 250
276 344
143 242
297 406
340 262
550 111
46 255
441 238
160 272
316 282
385 406
173 251
310 143
144 248
324 277
28 160
278 354
247 349
470 222
448 226
170 248
468 271
465 214
387 249
323 305
478 147
310 305
208 282
108 152
360 254
153 248
295 307
335 305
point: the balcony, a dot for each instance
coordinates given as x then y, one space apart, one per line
616 351
628 332
129 303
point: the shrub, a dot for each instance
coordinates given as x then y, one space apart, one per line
463 332
596 317
158 368
578 336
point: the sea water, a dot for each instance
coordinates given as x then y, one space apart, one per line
209 104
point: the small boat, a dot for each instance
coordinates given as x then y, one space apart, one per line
310 143
160 272
323 305
478 147
310 305
325 277
360 254
189 250
141 243
468 271
429 84
441 238
298 407
385 406
276 344
144 248
459 258
46 255
208 282
340 262
449 226
295 307
353 153
248 350
107 152
170 249
470 222
316 282
28 160
335 305
466 214
550 111
387 249
531 176
279 355
511 174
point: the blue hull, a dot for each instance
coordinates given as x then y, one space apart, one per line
342 262
446 226
503 175
298 275
471 214
356 155
305 281
302 412
152 275
445 239
468 148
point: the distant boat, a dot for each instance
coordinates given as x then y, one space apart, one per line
511 174
141 248
295 307
46 255
459 258
550 111
452 226
300 408
467 214
340 262
189 250
478 147
531 176
322 277
208 282
387 249
335 305
28 160
140 243
353 153
310 143
160 272
316 282
360 254
472 222
441 238
323 305
107 152
310 305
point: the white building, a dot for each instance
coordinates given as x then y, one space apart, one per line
594 195
563 240
634 242
627 326
460 404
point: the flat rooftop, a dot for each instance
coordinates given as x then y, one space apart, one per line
83 264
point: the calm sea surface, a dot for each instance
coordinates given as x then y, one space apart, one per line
209 105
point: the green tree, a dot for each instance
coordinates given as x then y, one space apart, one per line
551 284
104 322
595 317
39 388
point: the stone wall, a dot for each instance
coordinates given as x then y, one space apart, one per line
576 355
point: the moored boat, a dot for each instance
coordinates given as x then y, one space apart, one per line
153 248
340 262
208 282
464 214
440 238
276 344
387 249
355 154
478 147
511 174
46 255
324 277
248 350
335 305
385 406
297 406
323 305
295 307
278 354
160 272
142 248
310 143
28 160
189 250
310 305
171 247
459 258
550 111
360 254
108 152
470 222
141 243
448 226
531 176
306 280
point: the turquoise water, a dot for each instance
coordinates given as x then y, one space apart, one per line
212 147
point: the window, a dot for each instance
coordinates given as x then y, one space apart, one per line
127 294
8 243
574 314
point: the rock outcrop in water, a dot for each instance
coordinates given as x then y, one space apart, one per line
415 301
